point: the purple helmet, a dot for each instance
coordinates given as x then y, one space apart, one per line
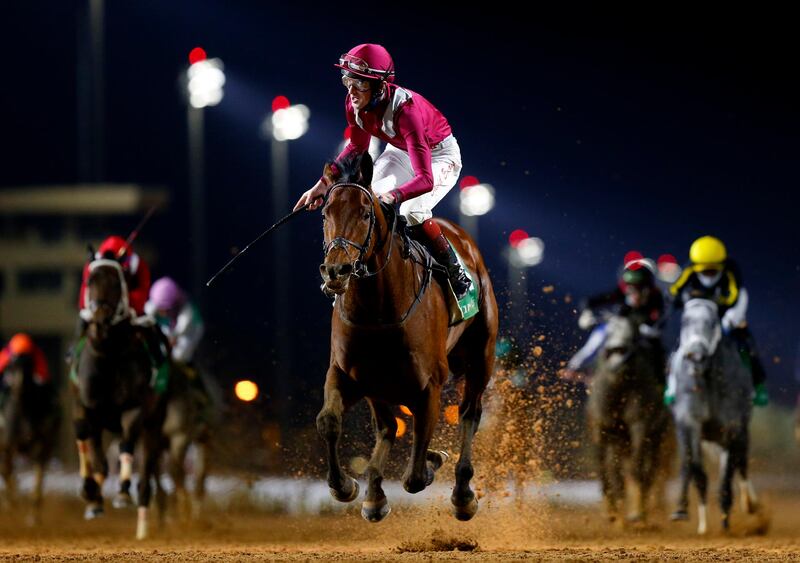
166 295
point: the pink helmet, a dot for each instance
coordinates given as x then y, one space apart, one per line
368 61
166 295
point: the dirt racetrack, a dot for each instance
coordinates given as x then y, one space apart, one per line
539 532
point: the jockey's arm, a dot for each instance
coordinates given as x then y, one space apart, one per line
188 332
411 128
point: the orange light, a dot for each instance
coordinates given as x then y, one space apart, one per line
246 390
405 410
451 414
401 427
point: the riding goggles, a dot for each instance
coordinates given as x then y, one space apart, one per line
359 85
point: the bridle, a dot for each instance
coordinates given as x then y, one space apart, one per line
360 269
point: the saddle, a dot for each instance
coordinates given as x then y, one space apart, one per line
458 311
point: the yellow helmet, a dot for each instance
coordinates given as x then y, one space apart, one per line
708 251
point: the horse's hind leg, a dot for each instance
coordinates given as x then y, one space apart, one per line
420 473
178 446
200 474
339 395
375 507
613 482
7 471
38 486
746 489
465 505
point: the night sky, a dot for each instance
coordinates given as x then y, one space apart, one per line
601 132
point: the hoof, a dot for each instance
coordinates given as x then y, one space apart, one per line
465 511
375 511
343 496
122 500
414 486
436 458
93 511
679 516
635 519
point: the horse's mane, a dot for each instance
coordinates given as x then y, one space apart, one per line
357 170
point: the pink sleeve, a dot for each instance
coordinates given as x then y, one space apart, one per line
410 127
359 139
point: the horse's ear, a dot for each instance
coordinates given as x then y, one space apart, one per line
91 251
327 172
366 169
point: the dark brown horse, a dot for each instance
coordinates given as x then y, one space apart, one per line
112 390
391 344
29 419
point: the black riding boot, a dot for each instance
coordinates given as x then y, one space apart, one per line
443 253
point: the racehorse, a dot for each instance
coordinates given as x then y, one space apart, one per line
391 344
113 390
187 422
712 402
627 417
29 419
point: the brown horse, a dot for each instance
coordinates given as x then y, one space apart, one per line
112 390
391 344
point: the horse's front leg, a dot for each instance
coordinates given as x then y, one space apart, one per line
339 396
7 471
375 507
420 473
151 450
131 426
90 464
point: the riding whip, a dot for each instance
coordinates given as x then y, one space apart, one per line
258 238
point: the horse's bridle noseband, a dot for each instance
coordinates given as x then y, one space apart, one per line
359 265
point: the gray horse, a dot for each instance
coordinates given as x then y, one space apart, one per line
627 418
713 391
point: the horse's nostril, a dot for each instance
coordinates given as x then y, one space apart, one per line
345 269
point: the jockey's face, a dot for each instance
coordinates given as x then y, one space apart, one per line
359 98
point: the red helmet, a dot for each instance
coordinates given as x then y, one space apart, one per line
368 61
115 248
20 344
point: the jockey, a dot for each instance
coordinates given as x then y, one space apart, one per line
137 279
179 319
182 326
137 273
422 159
636 297
712 275
20 346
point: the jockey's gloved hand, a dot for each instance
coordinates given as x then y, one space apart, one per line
314 197
587 319
392 197
649 331
760 395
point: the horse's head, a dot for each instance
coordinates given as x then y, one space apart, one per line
106 298
17 375
619 343
700 336
349 224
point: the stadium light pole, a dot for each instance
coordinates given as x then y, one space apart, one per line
474 199
204 79
523 252
284 123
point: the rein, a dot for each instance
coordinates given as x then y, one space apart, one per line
360 269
